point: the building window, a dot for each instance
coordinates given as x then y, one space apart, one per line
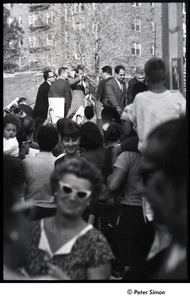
32 42
184 30
31 20
49 39
152 49
66 36
136 4
184 9
136 49
20 41
152 26
49 18
78 26
79 7
66 13
94 28
10 20
19 20
136 25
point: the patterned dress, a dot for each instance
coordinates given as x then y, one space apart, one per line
87 249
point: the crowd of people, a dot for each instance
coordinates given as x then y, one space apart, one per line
103 196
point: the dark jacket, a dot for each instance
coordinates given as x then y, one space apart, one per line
41 105
61 89
114 96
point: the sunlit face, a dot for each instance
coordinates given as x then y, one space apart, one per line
65 74
70 144
73 195
121 75
10 131
51 77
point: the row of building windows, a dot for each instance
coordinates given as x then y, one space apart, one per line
136 25
79 7
135 49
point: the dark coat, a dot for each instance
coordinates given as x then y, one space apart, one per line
114 96
61 89
41 105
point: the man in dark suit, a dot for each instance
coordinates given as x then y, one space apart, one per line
61 88
139 77
115 90
106 76
41 105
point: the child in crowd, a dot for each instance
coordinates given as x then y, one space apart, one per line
89 114
10 128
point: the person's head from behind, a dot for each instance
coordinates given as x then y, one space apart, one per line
76 182
106 72
155 71
80 69
138 87
61 124
113 133
91 137
11 125
22 100
47 137
164 174
120 73
140 75
63 72
28 125
70 137
89 112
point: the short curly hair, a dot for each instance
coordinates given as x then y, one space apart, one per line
11 119
155 70
81 168
47 137
91 137
114 132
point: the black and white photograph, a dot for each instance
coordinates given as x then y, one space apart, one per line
95 149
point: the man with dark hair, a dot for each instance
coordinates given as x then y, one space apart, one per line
106 76
41 105
38 168
139 77
61 88
115 90
23 105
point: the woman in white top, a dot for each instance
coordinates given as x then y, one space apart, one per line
65 246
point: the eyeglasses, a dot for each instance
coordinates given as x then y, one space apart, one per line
81 194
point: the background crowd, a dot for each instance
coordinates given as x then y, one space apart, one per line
100 193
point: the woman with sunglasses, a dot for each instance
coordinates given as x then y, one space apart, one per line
64 245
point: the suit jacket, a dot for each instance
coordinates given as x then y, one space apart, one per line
61 88
41 105
114 96
101 89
